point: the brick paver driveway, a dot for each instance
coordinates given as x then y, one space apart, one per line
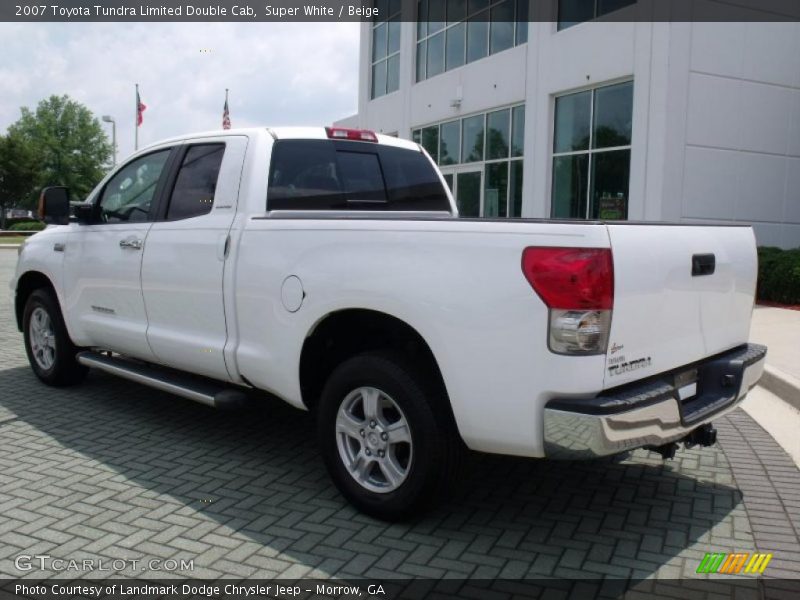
113 470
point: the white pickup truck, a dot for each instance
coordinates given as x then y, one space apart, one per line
328 267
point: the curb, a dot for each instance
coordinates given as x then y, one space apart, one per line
786 387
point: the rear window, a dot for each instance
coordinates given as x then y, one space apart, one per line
341 175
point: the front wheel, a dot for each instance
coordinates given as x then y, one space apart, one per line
386 440
51 352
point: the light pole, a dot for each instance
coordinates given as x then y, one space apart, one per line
109 119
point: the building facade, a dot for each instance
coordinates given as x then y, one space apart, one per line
586 118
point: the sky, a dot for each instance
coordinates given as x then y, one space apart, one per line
277 73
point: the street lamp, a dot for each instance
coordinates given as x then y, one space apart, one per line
109 119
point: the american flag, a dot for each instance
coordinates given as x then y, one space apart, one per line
140 108
226 115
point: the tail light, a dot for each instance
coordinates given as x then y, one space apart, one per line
359 135
577 285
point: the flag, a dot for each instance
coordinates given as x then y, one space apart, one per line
226 114
140 108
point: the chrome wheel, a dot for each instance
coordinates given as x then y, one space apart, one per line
374 440
42 338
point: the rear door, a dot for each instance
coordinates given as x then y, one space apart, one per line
186 254
681 293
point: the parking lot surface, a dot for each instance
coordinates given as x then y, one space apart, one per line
113 470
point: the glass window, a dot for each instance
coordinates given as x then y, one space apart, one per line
476 5
613 113
472 139
456 10
128 196
502 30
610 179
393 74
361 178
394 36
448 179
435 54
522 22
385 69
324 175
422 59
495 195
490 146
572 127
472 30
379 79
589 180
497 124
477 40
455 46
430 141
193 194
570 185
605 7
515 188
518 130
469 194
412 182
422 19
449 143
572 12
436 16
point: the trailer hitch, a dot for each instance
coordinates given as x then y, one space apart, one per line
705 435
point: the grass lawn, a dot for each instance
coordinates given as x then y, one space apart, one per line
12 239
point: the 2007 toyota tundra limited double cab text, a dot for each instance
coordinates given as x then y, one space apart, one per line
328 267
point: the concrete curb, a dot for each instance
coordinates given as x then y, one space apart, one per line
783 385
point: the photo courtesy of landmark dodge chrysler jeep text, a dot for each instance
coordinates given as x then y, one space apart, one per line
329 268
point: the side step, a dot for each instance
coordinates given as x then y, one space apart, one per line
202 390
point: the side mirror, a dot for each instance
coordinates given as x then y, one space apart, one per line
54 205
83 212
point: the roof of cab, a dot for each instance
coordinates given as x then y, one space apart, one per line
282 133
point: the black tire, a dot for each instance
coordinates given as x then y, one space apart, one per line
436 446
65 369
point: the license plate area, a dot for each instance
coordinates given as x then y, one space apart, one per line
686 384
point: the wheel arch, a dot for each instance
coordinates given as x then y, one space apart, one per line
342 334
28 283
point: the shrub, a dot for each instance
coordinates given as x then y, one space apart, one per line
779 275
27 226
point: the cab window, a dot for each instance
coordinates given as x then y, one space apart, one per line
128 196
196 184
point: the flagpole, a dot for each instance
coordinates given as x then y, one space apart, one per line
136 121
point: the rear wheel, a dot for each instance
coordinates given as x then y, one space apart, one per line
387 442
50 351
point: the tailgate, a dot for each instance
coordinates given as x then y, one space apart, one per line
669 312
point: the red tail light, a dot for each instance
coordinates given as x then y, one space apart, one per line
571 278
359 135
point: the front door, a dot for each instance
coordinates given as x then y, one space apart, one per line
103 260
186 254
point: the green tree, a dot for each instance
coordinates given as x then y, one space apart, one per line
68 144
17 174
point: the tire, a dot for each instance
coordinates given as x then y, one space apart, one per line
50 351
407 476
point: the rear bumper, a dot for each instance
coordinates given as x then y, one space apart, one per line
650 413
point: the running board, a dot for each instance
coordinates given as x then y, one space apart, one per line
198 389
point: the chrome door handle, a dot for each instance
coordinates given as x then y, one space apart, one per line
132 243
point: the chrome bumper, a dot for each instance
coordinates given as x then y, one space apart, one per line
650 413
